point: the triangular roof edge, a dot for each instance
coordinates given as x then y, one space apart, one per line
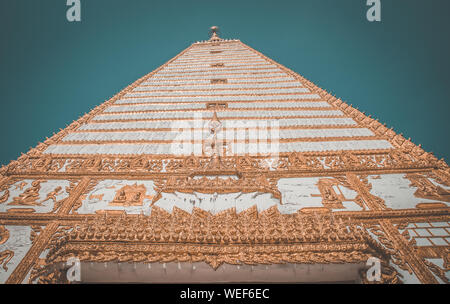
397 140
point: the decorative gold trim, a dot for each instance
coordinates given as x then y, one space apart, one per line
287 163
244 238
405 253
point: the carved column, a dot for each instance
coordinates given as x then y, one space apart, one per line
372 201
74 195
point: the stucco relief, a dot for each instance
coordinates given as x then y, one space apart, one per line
130 196
427 189
40 196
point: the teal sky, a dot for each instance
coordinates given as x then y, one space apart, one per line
53 71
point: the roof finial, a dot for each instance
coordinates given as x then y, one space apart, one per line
213 31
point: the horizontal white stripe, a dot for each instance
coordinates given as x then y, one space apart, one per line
233 105
217 98
217 56
217 71
209 114
296 104
248 123
217 48
138 149
227 44
204 66
216 60
254 75
153 81
210 86
178 135
151 107
219 92
227 62
207 51
222 53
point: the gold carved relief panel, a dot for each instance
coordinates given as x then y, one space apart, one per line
35 195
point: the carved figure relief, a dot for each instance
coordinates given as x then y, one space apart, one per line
332 195
426 189
39 195
29 197
330 199
129 196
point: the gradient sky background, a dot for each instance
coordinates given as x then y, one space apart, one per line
53 71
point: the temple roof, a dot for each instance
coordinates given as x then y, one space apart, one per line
228 78
339 187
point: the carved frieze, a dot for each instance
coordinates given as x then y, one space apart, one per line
248 237
285 163
217 184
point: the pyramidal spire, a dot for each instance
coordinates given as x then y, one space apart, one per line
213 33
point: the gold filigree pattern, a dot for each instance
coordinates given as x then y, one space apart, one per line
287 162
244 238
